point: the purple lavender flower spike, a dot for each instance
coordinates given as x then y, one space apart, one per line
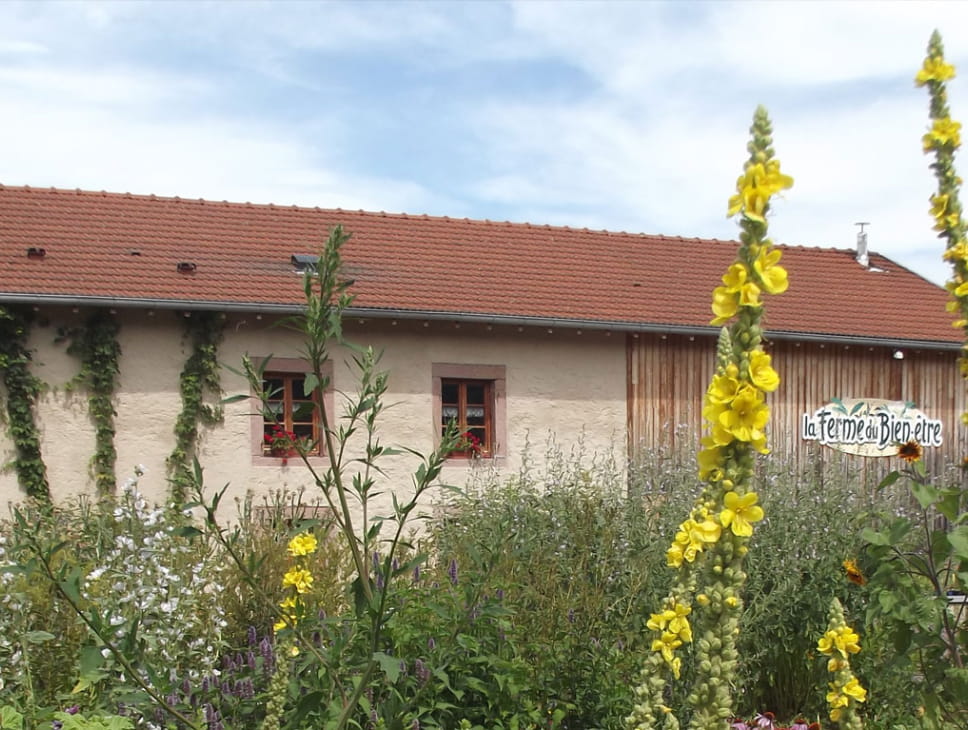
452 571
253 636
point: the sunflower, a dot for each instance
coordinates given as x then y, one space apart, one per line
854 573
910 452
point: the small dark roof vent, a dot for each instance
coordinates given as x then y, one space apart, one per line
35 252
303 262
187 267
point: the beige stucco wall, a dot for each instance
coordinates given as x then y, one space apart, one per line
563 383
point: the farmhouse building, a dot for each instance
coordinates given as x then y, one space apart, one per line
516 331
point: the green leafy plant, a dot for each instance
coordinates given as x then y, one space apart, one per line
96 345
22 389
10 718
200 378
74 720
918 577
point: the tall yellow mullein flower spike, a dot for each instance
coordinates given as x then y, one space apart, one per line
942 140
708 549
839 642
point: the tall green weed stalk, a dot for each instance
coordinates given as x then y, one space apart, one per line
333 679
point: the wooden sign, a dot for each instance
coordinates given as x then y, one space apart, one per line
870 427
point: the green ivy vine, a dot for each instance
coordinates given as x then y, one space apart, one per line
22 389
200 377
96 345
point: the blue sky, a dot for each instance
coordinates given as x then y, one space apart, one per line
617 115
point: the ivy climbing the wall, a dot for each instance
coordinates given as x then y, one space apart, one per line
22 389
96 345
199 378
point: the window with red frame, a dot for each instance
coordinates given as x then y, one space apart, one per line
290 418
470 405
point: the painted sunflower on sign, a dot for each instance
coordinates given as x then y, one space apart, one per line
911 452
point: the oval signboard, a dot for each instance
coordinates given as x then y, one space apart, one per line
870 426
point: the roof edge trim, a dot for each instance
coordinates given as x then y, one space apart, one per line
496 319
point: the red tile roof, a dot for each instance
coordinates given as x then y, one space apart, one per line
127 247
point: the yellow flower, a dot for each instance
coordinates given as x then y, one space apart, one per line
945 219
676 666
854 573
957 252
835 698
842 640
298 578
288 602
705 532
755 187
762 373
741 513
725 305
944 132
666 645
720 435
675 555
710 462
691 539
737 280
279 625
722 388
854 690
773 277
672 620
934 69
302 544
747 415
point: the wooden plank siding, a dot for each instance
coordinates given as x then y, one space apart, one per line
668 376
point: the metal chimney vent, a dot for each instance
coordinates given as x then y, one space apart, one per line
862 258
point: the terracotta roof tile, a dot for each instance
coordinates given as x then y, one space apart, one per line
434 265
